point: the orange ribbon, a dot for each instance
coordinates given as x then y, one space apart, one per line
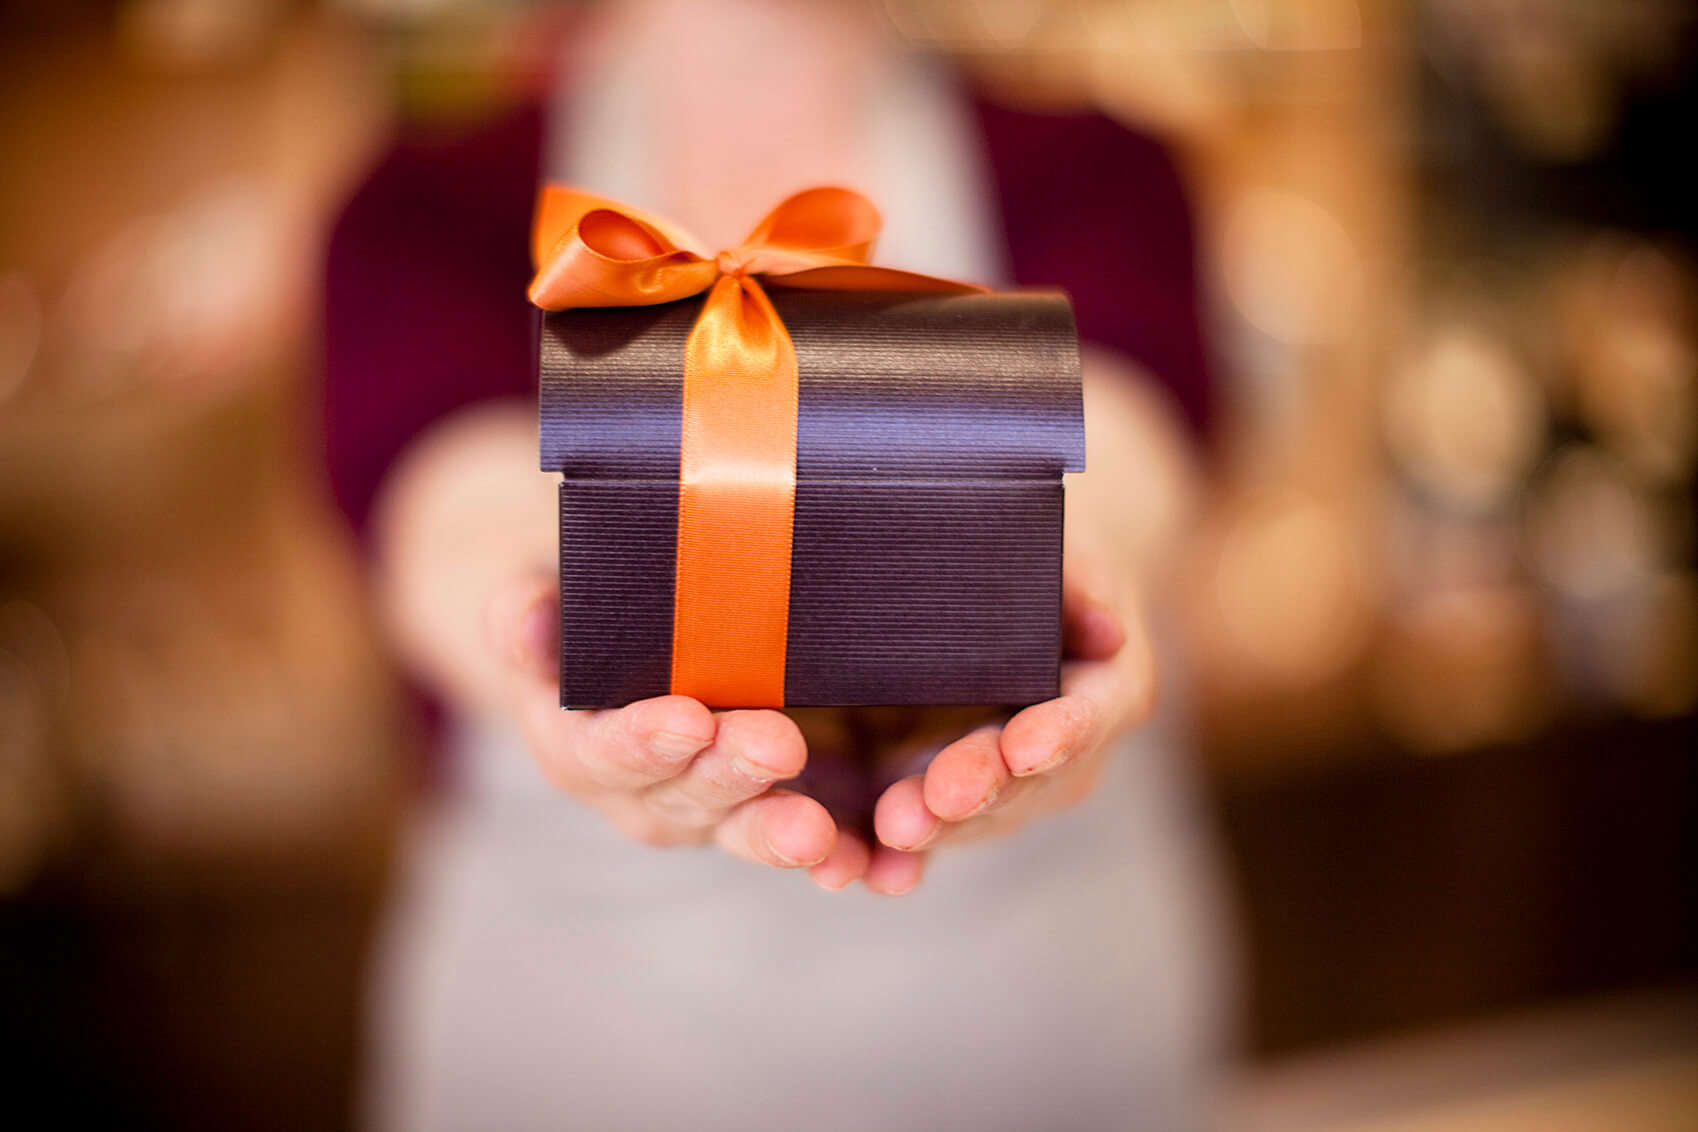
737 463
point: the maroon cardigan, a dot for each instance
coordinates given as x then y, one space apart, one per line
425 281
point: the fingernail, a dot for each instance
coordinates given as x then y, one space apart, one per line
786 859
985 803
673 747
1061 755
900 891
743 767
931 835
837 886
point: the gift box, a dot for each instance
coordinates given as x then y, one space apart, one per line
791 477
931 436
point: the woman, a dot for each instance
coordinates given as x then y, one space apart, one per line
551 963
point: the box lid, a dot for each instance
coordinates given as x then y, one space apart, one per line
981 386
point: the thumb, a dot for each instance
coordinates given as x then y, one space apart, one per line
522 626
1092 601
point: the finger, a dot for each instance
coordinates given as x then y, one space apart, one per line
624 750
893 872
1099 700
1093 626
846 864
967 776
751 750
779 828
969 782
1046 737
1123 688
633 747
522 625
902 820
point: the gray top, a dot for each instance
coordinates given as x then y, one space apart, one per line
543 972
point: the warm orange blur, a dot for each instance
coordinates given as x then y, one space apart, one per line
1441 617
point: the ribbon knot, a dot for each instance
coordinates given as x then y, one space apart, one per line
734 262
737 452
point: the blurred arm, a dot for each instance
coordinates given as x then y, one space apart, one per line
1141 487
463 513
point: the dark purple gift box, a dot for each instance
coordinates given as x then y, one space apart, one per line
932 436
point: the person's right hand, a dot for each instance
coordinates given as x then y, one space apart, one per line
668 771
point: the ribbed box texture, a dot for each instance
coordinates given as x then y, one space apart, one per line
942 592
932 435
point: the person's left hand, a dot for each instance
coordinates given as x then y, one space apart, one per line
999 777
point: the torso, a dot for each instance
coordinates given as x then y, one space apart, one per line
543 972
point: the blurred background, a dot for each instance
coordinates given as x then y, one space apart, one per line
1442 614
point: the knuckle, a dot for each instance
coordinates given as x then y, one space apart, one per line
766 739
673 715
679 809
559 770
622 760
770 732
651 829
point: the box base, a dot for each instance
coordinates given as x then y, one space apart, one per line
901 592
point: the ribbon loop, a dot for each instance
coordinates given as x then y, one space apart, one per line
737 458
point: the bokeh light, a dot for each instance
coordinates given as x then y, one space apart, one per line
1292 589
1290 267
1464 419
1428 620
20 331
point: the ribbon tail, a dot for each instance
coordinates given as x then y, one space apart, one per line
736 501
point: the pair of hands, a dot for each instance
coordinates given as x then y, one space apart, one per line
668 771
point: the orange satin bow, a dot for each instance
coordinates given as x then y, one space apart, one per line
737 463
